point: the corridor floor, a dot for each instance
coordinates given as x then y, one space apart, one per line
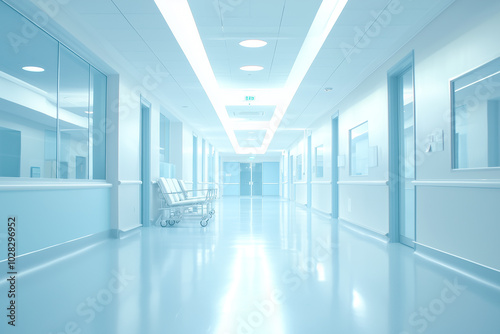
262 266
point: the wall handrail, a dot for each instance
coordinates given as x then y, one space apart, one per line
458 183
129 183
363 183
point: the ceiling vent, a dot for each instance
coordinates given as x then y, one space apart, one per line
248 114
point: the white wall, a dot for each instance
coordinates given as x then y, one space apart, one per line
187 154
321 186
176 145
300 186
456 225
457 211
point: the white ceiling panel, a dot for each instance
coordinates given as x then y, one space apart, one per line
138 32
136 6
251 139
114 21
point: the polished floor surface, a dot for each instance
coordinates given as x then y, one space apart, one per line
262 266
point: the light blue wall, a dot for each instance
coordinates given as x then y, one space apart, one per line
51 217
270 179
456 210
231 179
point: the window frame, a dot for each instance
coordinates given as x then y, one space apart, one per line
453 147
322 146
350 150
37 183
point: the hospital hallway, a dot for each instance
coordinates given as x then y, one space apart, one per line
263 265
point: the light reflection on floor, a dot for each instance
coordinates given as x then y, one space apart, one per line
261 266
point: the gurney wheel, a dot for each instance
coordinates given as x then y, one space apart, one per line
212 212
163 223
204 222
171 222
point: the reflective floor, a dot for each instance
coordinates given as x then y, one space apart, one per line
261 266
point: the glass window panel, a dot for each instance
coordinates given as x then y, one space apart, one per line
476 117
211 159
407 109
319 161
257 179
28 100
74 115
164 138
245 179
97 124
299 167
231 172
359 150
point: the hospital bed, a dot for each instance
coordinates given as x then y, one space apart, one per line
178 203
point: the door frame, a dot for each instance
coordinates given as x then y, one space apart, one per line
309 169
395 141
291 186
252 166
335 166
145 148
195 164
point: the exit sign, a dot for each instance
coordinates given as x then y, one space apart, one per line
250 98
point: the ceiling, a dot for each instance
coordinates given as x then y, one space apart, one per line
355 47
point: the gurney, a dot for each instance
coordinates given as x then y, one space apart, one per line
176 205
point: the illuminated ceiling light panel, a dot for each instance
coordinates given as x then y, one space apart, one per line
180 19
33 69
249 125
251 68
321 27
253 43
323 23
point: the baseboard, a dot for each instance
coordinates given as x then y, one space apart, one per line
364 231
31 261
476 271
322 213
123 234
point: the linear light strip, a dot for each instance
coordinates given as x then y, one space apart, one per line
321 27
179 18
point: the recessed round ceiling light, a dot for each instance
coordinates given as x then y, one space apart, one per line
252 68
253 43
33 69
328 89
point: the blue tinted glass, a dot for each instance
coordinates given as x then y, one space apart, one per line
74 112
97 122
476 117
359 150
28 98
